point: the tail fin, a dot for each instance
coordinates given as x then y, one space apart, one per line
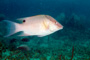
12 28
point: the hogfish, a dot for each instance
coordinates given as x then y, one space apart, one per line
39 25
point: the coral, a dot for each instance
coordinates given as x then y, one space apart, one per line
60 57
36 55
72 53
15 55
52 58
43 58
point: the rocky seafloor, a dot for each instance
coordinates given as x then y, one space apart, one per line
71 43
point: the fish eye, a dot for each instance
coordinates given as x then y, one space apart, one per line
23 20
55 22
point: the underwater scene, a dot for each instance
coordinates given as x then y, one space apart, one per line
44 29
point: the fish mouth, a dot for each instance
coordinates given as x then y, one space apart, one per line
59 25
61 28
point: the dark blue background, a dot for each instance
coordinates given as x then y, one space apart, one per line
21 8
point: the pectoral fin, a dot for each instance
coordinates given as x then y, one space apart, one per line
45 25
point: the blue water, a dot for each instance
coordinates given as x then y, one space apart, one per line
21 8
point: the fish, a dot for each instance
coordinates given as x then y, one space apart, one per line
23 48
38 25
25 40
13 40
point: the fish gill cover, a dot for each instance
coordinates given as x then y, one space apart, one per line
70 43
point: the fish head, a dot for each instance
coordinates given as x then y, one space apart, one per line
53 24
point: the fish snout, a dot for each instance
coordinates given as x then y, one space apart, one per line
59 25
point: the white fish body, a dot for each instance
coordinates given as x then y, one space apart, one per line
40 25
